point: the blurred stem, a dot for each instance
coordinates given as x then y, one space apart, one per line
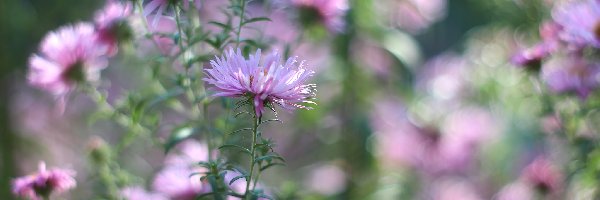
46 197
239 31
108 181
253 152
119 117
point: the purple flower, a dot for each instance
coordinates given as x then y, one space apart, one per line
330 13
70 55
571 74
44 183
268 82
110 24
581 22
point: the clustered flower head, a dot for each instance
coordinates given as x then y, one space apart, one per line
268 82
575 27
44 183
70 55
330 13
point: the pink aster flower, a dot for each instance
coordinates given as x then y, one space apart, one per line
330 13
110 24
543 175
581 22
532 57
70 55
571 74
178 182
44 183
268 82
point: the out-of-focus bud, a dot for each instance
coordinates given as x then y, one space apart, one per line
99 151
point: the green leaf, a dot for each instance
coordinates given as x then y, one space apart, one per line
219 24
245 150
256 19
271 165
238 177
269 158
178 135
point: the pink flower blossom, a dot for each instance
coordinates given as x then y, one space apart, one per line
571 74
532 57
44 183
543 175
269 82
110 24
516 191
68 56
179 182
581 22
330 13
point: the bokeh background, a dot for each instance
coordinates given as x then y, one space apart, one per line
417 100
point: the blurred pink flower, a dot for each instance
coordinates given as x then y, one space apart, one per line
449 149
464 131
44 183
532 57
268 82
543 175
187 153
581 22
160 6
571 74
451 189
330 13
516 191
110 24
139 193
414 15
164 27
179 182
69 56
326 179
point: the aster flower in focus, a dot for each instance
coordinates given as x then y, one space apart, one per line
111 24
581 22
268 82
70 55
330 13
543 175
571 74
44 183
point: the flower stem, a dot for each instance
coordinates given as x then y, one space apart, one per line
239 31
253 152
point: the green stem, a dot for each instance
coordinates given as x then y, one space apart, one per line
253 152
237 41
257 176
46 197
